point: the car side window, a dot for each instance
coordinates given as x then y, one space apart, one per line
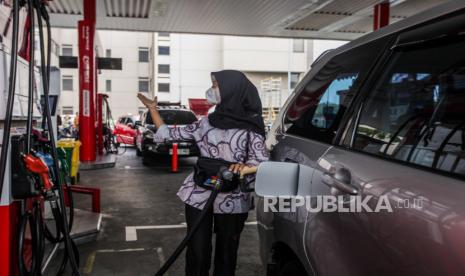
122 120
416 111
317 111
332 101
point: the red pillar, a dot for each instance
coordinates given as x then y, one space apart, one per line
9 218
100 123
86 32
381 15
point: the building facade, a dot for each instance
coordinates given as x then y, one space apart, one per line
176 67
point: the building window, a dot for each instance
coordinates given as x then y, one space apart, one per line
298 45
55 48
67 83
294 80
108 53
164 50
143 54
163 68
163 87
67 50
67 110
108 85
164 34
144 85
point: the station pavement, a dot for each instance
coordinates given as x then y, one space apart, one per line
136 195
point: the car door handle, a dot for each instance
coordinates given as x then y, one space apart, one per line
340 180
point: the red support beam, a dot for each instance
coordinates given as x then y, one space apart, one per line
93 192
381 15
86 32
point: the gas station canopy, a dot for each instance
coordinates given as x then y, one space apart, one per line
319 19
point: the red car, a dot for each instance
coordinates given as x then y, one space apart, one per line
125 129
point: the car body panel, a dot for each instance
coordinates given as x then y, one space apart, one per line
422 236
411 241
146 144
124 132
289 227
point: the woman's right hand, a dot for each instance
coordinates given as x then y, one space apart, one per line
148 102
152 106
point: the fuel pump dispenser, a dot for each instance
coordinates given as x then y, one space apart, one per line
30 173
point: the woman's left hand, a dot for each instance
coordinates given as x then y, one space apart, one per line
237 168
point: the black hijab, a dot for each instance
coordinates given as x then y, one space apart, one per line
240 105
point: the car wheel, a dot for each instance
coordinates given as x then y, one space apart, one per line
145 158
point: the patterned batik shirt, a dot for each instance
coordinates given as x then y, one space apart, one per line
226 144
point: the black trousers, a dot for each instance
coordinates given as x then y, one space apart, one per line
228 228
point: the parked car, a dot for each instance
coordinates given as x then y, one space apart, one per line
126 129
382 116
172 116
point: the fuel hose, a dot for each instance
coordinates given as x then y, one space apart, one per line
224 173
71 253
11 93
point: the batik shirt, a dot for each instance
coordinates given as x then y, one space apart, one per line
226 144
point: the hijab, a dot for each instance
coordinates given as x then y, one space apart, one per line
240 105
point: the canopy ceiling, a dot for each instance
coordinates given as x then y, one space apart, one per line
320 19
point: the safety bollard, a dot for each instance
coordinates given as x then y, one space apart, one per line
174 158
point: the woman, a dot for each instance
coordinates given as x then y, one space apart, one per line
234 132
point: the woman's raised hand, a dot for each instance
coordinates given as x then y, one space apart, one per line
148 102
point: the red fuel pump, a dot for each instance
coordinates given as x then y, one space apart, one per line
29 180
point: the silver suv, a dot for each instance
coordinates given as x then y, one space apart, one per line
380 117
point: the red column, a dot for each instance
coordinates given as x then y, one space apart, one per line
100 124
381 15
86 32
9 219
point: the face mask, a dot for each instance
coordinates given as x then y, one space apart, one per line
213 95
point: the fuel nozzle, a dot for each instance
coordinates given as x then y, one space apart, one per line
36 165
225 174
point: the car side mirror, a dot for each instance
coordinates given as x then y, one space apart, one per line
275 179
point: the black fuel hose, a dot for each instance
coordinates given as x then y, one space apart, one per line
70 248
34 218
190 234
25 218
54 238
224 173
30 100
11 93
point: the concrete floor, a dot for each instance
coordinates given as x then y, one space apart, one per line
135 195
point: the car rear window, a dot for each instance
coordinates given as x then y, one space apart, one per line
174 117
416 113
